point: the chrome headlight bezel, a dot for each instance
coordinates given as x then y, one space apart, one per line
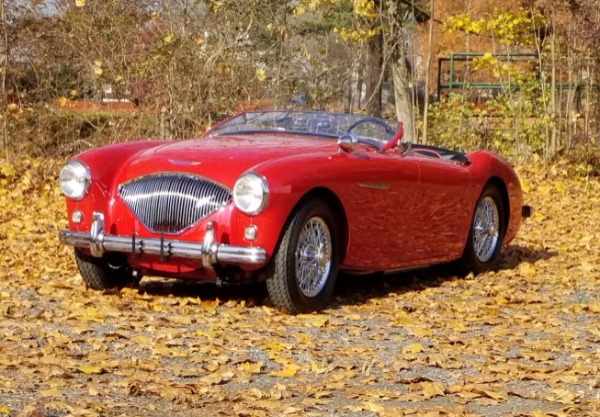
75 180
251 193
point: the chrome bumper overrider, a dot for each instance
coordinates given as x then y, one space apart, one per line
209 252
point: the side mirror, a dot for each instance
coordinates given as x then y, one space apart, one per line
347 142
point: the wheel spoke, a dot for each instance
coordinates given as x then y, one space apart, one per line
486 224
313 257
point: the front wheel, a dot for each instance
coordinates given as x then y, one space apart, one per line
487 232
110 271
301 276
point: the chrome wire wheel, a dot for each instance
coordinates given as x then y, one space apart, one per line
486 229
313 257
302 272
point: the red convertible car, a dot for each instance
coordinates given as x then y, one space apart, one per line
288 197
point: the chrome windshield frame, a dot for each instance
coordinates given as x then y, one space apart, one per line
313 123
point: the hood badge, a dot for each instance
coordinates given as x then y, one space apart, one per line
183 162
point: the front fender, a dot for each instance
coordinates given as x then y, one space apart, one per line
289 180
105 165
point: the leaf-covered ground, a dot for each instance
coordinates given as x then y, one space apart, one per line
522 341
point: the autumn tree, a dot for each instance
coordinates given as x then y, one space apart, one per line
378 28
183 63
186 63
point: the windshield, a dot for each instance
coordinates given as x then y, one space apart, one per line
307 122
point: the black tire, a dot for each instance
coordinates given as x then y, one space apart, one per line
282 275
108 272
475 261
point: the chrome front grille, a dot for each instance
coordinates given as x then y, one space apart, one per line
170 203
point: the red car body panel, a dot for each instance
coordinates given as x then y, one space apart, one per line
397 210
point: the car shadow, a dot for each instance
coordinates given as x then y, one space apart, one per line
350 289
358 289
250 294
514 255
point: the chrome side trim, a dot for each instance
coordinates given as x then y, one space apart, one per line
209 251
374 185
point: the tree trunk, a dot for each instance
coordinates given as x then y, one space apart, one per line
428 72
4 59
373 75
400 73
553 144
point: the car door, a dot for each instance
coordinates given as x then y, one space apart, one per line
443 210
380 202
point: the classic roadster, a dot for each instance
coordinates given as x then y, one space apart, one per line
288 197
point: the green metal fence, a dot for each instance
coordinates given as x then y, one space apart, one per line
579 86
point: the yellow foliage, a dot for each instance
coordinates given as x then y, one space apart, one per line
299 10
168 39
358 35
13 108
463 22
315 4
98 71
365 8
487 61
508 28
261 75
214 6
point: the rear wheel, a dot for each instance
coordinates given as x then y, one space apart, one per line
487 232
110 271
301 276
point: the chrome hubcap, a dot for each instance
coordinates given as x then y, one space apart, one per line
486 226
313 257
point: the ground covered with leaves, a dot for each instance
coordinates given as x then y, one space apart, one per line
520 341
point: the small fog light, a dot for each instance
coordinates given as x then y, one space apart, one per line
77 217
250 233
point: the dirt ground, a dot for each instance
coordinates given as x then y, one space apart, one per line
520 341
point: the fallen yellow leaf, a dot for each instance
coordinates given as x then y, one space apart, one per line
53 392
287 372
252 368
374 407
414 348
433 389
89 370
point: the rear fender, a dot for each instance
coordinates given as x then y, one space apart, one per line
487 167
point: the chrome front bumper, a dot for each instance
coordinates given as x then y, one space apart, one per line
209 252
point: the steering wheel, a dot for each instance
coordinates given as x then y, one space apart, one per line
375 121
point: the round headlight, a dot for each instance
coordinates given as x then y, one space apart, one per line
75 180
251 194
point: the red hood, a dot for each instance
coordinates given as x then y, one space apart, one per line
224 158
